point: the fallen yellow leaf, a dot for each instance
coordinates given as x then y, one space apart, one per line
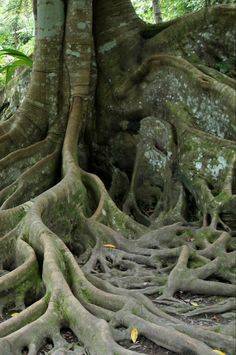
218 352
14 314
109 246
134 334
194 304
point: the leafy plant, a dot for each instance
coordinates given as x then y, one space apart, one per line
21 59
16 23
224 67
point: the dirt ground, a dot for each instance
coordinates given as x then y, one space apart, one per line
142 345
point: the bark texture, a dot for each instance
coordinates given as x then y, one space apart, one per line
157 10
118 182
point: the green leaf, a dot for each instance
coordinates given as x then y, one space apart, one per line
11 67
21 60
13 52
224 67
16 54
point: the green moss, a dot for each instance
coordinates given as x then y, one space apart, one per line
32 281
87 295
205 234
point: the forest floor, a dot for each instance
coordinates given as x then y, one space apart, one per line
142 345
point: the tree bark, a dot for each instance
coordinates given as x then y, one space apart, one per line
117 183
157 10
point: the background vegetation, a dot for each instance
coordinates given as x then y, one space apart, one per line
173 8
16 30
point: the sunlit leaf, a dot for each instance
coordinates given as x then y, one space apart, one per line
219 352
194 304
134 334
14 314
109 246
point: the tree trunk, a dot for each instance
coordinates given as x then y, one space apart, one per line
157 10
117 183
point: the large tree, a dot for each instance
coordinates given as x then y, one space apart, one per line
148 110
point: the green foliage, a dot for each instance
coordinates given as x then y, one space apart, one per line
173 8
20 60
144 9
16 31
226 68
16 23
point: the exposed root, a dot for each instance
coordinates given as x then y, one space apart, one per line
71 298
70 258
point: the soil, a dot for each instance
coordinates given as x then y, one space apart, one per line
145 346
142 345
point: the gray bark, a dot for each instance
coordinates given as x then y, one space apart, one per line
157 10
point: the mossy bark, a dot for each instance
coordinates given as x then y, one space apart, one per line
140 111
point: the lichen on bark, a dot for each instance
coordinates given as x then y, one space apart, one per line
118 183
